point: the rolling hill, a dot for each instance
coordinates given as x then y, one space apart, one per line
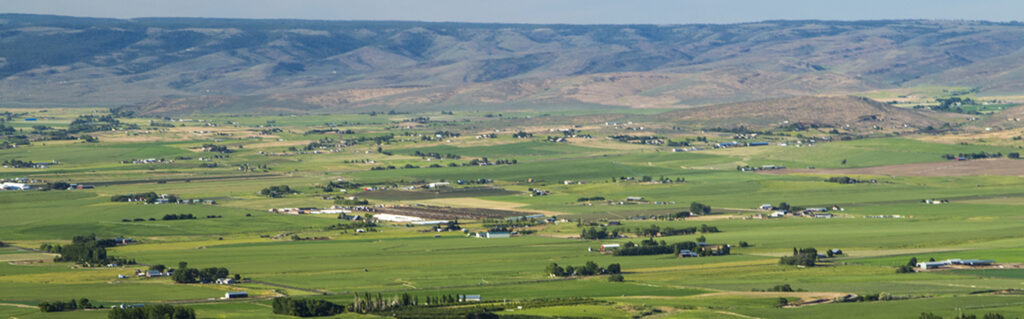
844 112
187 65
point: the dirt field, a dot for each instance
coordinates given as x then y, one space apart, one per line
1001 167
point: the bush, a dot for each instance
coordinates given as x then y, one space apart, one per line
615 278
903 269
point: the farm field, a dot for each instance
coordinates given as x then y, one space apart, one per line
311 207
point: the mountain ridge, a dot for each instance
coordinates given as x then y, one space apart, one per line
342 66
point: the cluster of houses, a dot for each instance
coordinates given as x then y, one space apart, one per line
538 192
884 216
492 234
814 212
310 210
147 161
708 249
762 168
40 165
955 262
686 149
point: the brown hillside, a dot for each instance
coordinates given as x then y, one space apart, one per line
842 111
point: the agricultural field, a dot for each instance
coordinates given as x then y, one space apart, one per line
344 208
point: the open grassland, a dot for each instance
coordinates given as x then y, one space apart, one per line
583 183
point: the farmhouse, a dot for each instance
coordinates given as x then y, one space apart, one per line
226 281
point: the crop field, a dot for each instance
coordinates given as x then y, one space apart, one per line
212 191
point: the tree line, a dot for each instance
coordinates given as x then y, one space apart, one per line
186 275
58 305
806 257
152 312
85 250
589 269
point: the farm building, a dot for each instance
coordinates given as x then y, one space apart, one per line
634 198
471 298
971 262
438 184
226 281
15 186
609 246
687 253
766 207
494 234
236 295
932 264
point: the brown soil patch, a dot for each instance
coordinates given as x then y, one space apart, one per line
998 167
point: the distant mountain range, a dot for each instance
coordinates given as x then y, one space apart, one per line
185 65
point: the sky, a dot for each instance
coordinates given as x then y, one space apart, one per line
535 11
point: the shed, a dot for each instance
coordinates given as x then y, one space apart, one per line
236 294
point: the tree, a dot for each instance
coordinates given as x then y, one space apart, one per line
929 315
615 278
912 262
555 270
903 269
591 268
782 302
614 269
158 267
699 209
784 206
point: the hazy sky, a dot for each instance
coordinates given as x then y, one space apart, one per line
535 11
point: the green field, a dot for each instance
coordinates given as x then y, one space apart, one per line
982 219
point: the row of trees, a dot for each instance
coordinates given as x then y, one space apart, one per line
589 269
277 191
186 275
153 312
85 250
656 231
57 305
305 307
150 197
807 257
598 233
